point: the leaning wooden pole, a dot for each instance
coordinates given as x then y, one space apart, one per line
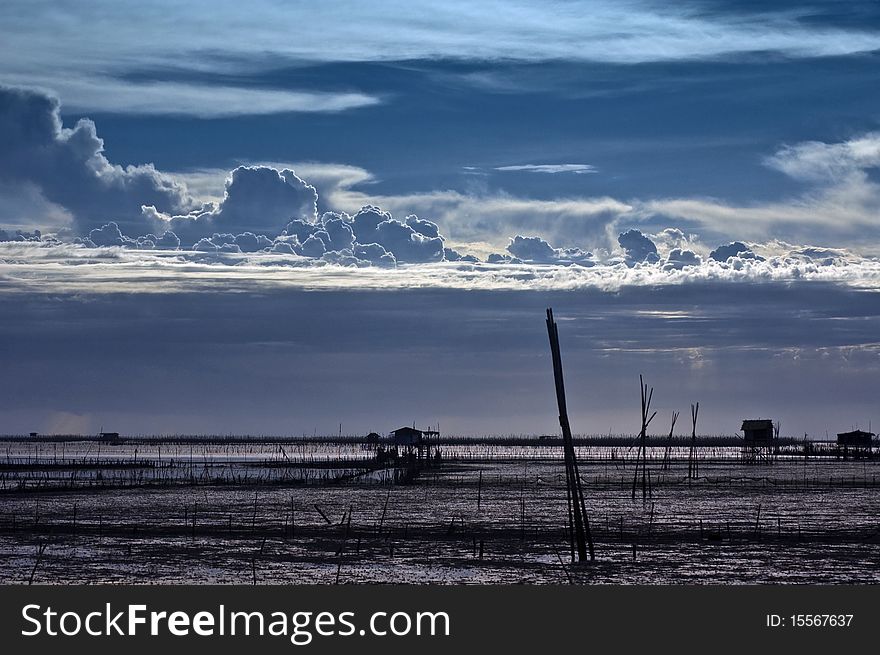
693 464
667 455
579 524
642 453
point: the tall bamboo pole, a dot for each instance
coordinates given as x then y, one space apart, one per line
693 464
579 525
642 453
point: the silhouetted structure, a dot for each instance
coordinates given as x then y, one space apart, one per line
758 441
578 522
642 453
412 449
758 431
855 438
407 436
667 454
855 444
693 460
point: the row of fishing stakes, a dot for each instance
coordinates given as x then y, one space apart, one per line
578 522
641 455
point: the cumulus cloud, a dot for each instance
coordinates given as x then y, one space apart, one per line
678 259
283 247
365 222
65 170
337 227
314 246
19 235
734 249
637 247
111 235
424 227
68 166
375 254
823 256
258 199
407 244
205 245
533 249
268 208
452 255
414 240
672 237
840 204
108 235
250 242
537 251
484 217
478 219
247 242
500 258
167 241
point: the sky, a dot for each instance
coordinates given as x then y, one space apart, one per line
276 217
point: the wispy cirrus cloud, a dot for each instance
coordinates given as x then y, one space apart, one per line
578 169
828 163
840 202
90 93
86 54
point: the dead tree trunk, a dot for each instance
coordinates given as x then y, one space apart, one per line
579 525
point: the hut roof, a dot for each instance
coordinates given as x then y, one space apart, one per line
407 431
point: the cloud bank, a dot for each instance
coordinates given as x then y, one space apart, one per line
273 210
227 263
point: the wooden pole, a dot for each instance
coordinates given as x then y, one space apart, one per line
642 452
668 453
693 464
578 522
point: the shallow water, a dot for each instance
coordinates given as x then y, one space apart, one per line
792 522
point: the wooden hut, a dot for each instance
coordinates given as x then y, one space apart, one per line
855 444
856 438
407 437
758 441
758 431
